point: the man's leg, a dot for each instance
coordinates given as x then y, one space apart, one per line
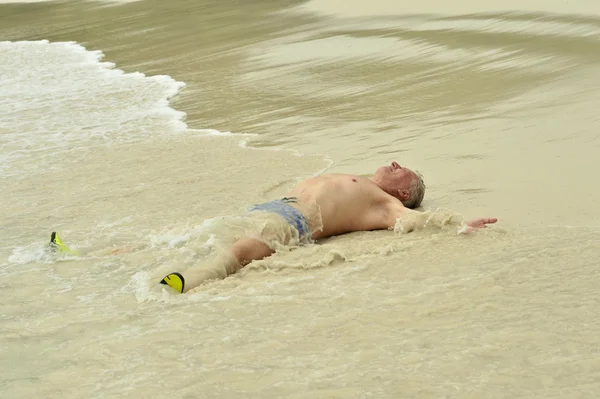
243 251
246 250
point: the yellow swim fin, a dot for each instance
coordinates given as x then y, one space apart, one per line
175 281
56 244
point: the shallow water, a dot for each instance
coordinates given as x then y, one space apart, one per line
146 125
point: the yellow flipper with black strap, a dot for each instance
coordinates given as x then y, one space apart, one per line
56 244
175 281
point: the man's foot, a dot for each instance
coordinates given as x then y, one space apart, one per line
175 281
57 245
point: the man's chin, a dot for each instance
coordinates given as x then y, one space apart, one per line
382 171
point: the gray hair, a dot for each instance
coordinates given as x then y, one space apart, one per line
417 192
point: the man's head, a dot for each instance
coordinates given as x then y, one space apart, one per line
401 183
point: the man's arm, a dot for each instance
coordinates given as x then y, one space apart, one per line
398 217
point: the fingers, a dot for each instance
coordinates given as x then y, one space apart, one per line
486 221
481 223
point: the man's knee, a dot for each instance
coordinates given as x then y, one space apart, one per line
246 250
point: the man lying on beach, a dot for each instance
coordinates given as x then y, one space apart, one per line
324 206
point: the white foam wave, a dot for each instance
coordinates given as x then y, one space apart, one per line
194 242
33 253
60 97
214 132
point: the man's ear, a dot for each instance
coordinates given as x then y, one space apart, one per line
404 194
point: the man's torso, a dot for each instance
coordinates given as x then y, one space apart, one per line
345 203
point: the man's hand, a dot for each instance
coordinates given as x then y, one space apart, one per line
481 223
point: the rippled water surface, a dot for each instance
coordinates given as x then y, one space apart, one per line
146 125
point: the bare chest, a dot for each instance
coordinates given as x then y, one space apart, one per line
347 203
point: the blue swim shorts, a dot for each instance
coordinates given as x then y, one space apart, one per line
292 215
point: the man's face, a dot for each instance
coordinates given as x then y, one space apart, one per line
395 177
